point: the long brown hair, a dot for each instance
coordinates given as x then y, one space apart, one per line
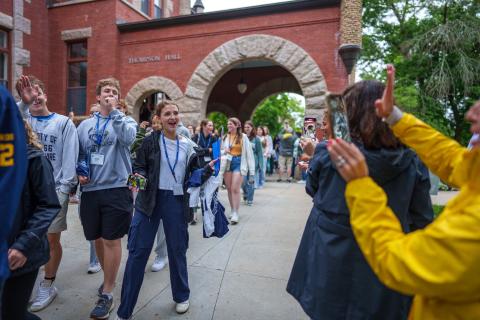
238 133
365 126
253 133
32 138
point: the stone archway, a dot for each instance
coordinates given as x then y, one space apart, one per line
148 86
254 47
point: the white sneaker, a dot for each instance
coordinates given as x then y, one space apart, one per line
234 218
94 268
182 307
46 293
159 264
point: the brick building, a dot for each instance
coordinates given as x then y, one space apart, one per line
165 47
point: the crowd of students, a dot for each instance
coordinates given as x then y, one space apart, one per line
369 244
94 161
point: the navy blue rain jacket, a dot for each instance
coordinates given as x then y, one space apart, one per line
330 277
38 207
13 169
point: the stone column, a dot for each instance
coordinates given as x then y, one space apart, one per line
20 56
350 34
185 8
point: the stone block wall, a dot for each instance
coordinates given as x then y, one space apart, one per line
351 22
185 8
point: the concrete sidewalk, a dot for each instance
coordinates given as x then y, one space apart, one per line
242 276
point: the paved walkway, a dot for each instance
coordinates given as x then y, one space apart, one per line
242 276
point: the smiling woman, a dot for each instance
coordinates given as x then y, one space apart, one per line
166 160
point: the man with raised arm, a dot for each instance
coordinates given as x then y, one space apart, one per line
58 135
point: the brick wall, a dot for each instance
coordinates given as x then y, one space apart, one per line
314 30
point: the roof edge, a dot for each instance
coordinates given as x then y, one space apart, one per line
228 14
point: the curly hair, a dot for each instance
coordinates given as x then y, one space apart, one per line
107 82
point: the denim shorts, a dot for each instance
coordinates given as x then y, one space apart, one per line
235 164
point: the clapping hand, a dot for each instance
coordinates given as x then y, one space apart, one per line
348 159
385 105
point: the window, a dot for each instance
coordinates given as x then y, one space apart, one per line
145 7
4 53
157 9
77 77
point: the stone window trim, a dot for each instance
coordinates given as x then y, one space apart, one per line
6 21
76 35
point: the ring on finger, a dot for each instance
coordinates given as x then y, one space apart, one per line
340 162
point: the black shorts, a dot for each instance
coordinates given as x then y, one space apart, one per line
106 213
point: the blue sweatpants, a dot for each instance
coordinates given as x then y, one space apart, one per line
169 209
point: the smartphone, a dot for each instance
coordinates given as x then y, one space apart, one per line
137 182
310 127
338 117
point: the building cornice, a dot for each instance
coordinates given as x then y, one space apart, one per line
283 7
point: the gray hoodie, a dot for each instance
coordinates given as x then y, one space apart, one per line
118 135
59 137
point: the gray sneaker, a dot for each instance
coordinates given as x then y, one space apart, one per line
46 293
103 307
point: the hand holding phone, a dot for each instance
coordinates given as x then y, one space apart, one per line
338 117
310 127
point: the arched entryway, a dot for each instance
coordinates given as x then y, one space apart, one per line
278 51
149 86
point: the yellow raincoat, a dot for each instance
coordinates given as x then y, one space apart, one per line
440 264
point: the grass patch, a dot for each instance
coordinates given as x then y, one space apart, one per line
437 209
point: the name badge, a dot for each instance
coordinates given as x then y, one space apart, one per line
97 159
207 159
177 190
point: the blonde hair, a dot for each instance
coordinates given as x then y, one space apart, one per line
159 107
32 138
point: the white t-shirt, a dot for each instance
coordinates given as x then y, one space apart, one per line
166 181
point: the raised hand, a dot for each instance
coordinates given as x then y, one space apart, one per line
385 105
348 159
27 92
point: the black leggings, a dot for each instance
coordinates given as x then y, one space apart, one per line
16 293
